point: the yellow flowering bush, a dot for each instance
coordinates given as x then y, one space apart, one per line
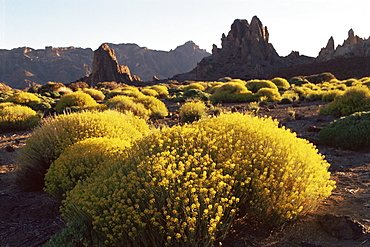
231 92
182 186
49 140
255 85
157 109
161 90
270 93
124 103
192 111
194 85
78 100
79 161
26 98
94 93
281 83
149 92
17 117
354 99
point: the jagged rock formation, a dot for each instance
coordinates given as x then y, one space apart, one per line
106 68
353 46
245 53
23 67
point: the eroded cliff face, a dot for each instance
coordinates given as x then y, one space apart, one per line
23 67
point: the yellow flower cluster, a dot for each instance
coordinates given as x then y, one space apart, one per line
16 117
182 186
79 161
50 139
24 98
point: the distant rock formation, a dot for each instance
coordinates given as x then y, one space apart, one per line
106 68
24 67
245 53
353 46
163 64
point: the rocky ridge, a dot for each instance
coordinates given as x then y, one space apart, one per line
24 67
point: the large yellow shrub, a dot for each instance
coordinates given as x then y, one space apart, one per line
26 98
183 186
50 139
79 161
79 100
16 117
124 103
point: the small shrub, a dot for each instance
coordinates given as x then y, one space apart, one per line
289 96
298 80
161 90
78 85
271 94
351 132
255 85
183 186
192 111
16 117
231 92
195 94
331 95
320 78
149 92
124 104
157 109
281 83
354 99
95 94
79 161
49 140
28 99
111 85
194 85
51 87
79 100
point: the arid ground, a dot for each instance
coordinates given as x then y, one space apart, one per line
343 219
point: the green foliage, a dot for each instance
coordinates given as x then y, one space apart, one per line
281 83
271 94
351 132
16 117
183 186
51 87
49 140
255 85
289 96
95 94
78 100
124 103
354 99
192 111
26 98
79 161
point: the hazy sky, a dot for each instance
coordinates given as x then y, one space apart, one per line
299 25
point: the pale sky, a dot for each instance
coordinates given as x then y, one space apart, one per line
299 25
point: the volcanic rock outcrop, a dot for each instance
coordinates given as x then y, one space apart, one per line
353 46
245 53
106 68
